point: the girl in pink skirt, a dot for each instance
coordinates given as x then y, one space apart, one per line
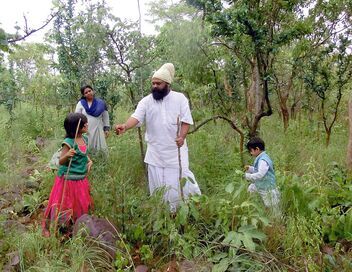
70 196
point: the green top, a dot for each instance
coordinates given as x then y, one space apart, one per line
78 168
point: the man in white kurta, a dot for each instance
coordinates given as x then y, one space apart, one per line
161 116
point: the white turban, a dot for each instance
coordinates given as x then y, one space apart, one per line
166 73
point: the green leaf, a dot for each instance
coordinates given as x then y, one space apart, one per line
183 182
246 228
239 172
257 235
247 204
182 214
146 253
252 231
138 233
238 191
158 224
230 188
222 266
190 180
230 237
237 242
248 242
194 211
218 257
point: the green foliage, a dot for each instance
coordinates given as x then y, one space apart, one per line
38 253
146 253
33 75
183 43
130 52
225 226
79 36
122 258
328 69
8 88
337 226
105 87
32 202
29 129
3 40
216 50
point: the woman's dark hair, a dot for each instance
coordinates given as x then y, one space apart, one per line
85 87
71 122
255 142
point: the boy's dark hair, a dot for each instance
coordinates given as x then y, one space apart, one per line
71 122
85 87
255 142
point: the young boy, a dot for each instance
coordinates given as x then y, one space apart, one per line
262 174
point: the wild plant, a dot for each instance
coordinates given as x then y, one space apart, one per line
37 253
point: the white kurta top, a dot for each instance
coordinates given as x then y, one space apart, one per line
160 118
263 168
96 135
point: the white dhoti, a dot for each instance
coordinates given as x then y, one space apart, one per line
168 179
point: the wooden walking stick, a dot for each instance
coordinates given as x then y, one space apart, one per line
65 179
179 159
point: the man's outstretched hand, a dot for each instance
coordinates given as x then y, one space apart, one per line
120 129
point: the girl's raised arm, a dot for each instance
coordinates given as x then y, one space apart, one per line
66 154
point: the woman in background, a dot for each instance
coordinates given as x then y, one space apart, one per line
98 118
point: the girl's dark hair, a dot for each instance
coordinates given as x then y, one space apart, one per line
85 87
255 142
71 122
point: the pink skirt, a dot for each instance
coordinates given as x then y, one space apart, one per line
76 201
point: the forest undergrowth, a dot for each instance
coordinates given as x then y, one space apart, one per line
224 229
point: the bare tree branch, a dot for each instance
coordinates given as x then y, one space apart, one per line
233 49
231 123
120 62
28 31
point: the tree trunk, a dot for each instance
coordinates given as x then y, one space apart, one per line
328 136
296 104
285 117
255 94
255 99
349 146
283 98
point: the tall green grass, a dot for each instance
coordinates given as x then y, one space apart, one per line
225 226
